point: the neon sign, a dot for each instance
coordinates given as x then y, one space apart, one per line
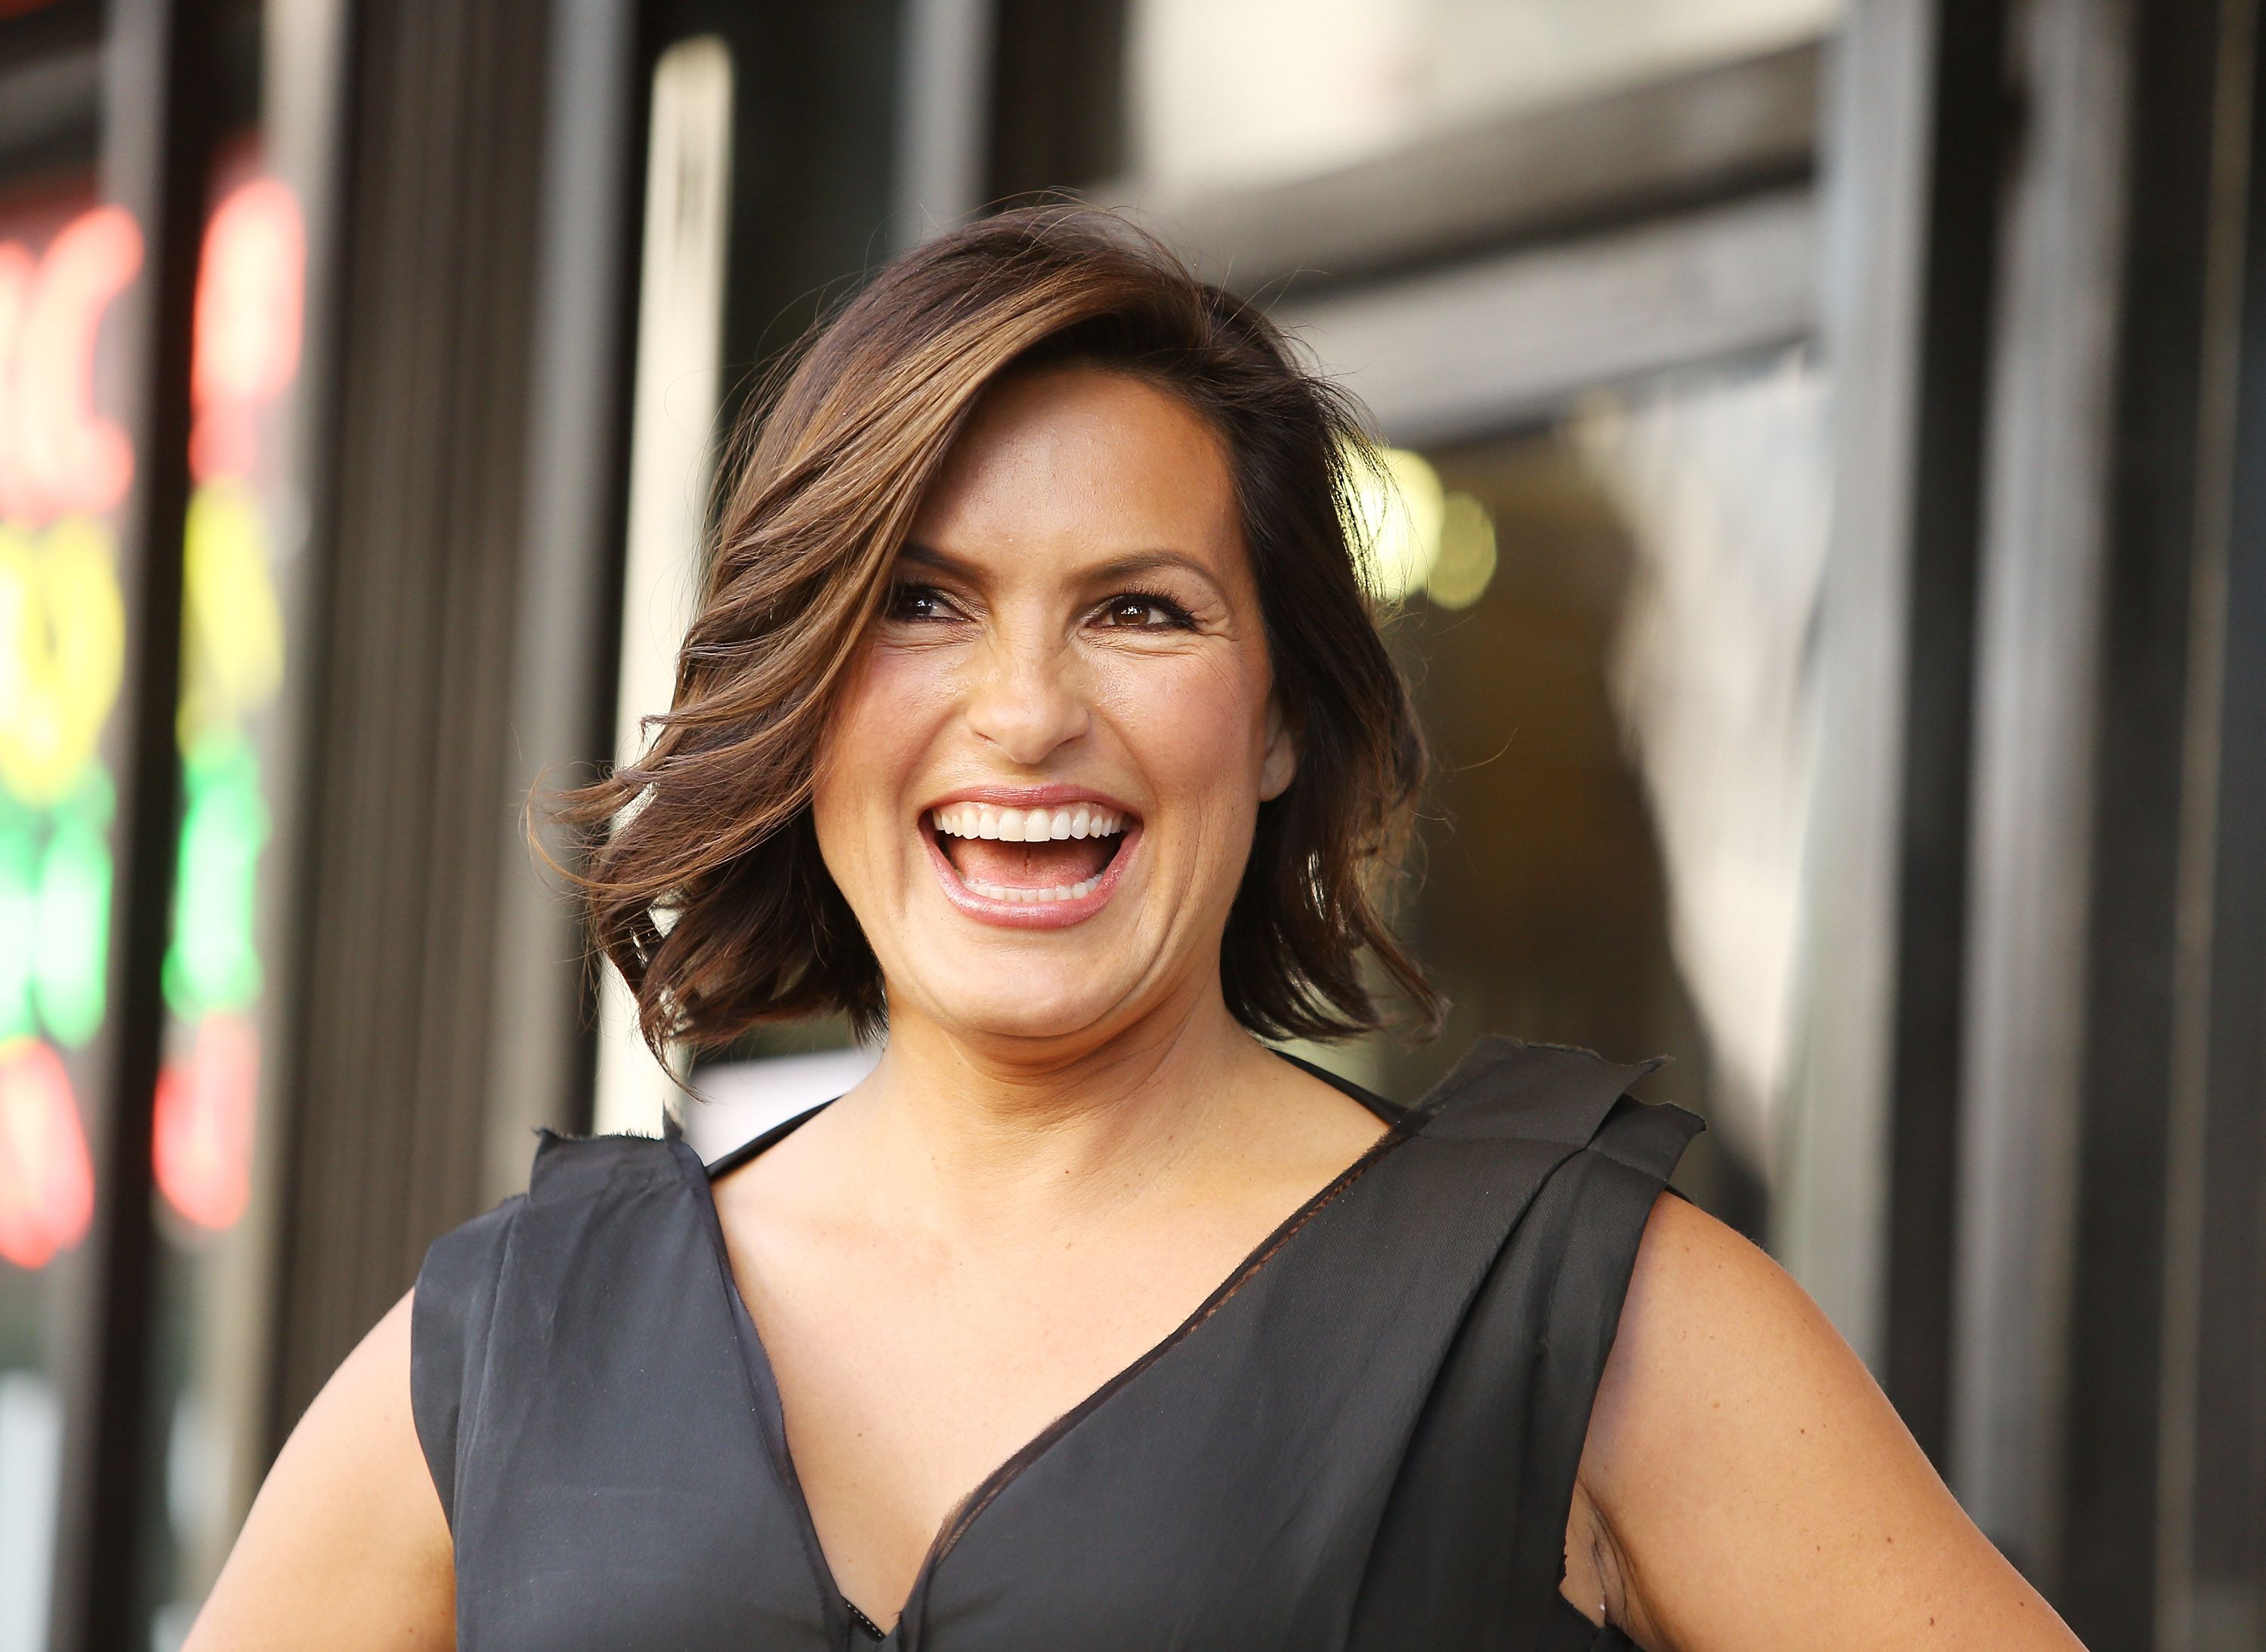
65 467
202 1141
58 455
251 286
250 279
63 639
46 1184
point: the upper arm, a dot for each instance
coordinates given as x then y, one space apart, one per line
1755 1489
346 1546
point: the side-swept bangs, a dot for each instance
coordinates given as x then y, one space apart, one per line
701 869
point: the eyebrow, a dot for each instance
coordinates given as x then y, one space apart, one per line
1129 565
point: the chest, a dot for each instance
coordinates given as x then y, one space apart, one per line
909 1371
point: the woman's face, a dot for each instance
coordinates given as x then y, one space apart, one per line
1038 793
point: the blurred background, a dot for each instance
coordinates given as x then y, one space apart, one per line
1827 533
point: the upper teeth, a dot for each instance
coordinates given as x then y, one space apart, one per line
1027 826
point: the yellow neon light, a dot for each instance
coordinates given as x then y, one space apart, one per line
233 633
62 647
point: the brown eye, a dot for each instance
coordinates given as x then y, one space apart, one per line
918 602
1136 612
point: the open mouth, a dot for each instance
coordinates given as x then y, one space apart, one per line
1033 857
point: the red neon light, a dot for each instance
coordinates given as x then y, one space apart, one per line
47 1182
17 271
62 456
201 1141
251 282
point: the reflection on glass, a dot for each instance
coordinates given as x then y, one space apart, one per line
1267 90
207 1129
1610 654
1724 481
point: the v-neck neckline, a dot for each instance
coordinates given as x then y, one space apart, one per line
1401 1124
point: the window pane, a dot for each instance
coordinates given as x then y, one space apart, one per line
1609 631
1265 90
212 1130
65 468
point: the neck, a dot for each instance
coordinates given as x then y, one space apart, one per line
976 1134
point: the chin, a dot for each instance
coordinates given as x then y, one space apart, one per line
1006 1008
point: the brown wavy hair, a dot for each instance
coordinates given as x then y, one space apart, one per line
700 865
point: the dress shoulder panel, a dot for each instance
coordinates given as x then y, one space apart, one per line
1506 1089
1477 1515
577 1383
459 1289
449 1321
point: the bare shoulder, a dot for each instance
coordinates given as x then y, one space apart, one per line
1749 1486
347 1545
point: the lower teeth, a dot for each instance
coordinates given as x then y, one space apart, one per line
1016 896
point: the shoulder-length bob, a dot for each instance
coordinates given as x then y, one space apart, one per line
701 868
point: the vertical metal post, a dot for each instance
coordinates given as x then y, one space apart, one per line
2045 534
2126 1442
1971 125
944 115
421 528
160 128
1880 161
560 712
2209 1556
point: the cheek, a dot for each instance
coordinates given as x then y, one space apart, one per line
873 745
1198 727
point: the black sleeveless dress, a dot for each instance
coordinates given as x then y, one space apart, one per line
1365 1441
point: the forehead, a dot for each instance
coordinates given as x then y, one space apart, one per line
1082 458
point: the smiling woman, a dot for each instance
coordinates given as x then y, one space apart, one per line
1035 712
898 410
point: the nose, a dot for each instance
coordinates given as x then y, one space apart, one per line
1026 700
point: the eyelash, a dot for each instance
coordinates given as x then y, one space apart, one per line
901 595
1176 617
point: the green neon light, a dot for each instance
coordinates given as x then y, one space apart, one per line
71 923
213 963
19 912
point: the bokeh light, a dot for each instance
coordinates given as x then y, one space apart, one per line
62 637
1464 566
232 629
214 961
47 1181
200 1143
71 923
62 458
251 282
1411 534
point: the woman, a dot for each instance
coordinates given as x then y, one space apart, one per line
1034 707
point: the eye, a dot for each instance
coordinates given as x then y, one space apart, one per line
1143 610
918 603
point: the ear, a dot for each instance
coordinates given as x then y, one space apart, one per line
1280 762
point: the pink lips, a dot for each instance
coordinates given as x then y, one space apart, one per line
1031 915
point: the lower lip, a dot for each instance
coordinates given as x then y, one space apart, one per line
1029 914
